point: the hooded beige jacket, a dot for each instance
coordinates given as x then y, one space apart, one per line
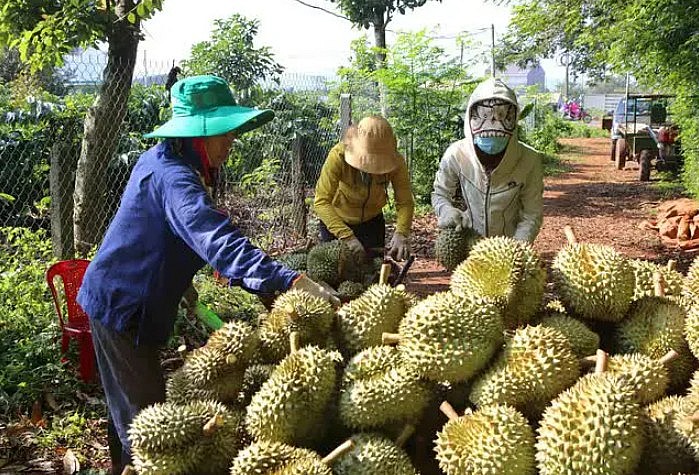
509 201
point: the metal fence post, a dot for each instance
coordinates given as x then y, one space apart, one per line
61 186
298 189
345 112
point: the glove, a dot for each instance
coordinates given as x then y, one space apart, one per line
455 218
190 298
317 290
400 247
355 246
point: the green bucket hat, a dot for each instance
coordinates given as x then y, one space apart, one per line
203 106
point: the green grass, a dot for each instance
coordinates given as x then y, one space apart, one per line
669 185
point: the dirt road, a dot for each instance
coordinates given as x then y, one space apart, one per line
602 204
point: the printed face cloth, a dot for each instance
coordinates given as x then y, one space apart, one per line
493 118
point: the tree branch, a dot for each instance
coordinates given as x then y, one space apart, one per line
323 10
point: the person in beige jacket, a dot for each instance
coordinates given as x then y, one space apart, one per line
500 178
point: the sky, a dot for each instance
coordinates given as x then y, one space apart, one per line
310 41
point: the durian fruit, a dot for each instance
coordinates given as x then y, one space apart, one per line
361 322
536 365
379 390
644 282
494 439
290 406
197 437
274 458
448 338
583 341
691 326
690 288
649 377
294 311
328 262
254 377
506 271
452 247
349 290
666 451
594 281
595 428
295 260
654 326
374 454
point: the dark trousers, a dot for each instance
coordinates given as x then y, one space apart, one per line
372 234
132 379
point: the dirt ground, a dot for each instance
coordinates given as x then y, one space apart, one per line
602 204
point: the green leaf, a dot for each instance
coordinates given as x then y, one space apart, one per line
141 10
7 198
131 17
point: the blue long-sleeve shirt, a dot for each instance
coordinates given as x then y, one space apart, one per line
165 230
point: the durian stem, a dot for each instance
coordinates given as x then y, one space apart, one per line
385 273
669 356
407 432
592 359
601 362
294 341
659 284
212 425
448 410
400 288
129 470
182 350
570 235
390 338
671 264
694 417
341 450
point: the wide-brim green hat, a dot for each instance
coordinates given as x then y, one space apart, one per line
203 106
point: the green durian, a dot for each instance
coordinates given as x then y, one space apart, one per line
595 428
449 338
329 261
373 454
649 377
506 271
644 281
690 288
254 377
294 261
273 458
495 439
378 390
536 365
583 341
294 311
594 281
362 321
349 290
236 339
691 327
452 247
290 406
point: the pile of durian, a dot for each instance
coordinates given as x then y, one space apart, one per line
591 374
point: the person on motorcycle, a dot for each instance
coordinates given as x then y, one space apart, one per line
500 178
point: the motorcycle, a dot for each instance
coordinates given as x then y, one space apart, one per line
574 111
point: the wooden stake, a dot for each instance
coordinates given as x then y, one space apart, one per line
345 447
570 235
448 410
601 363
659 284
669 356
407 432
385 273
390 338
212 425
294 341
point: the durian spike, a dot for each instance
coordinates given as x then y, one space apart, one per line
405 434
570 235
390 338
659 284
341 450
694 418
129 470
448 410
601 363
212 425
669 356
385 273
671 264
294 341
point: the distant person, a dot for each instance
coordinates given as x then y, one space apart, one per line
353 189
165 230
499 177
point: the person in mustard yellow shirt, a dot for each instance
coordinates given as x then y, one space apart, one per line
353 189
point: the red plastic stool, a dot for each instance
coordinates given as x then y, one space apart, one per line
77 325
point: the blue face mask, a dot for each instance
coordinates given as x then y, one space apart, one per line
491 145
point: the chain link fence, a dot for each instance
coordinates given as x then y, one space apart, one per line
66 157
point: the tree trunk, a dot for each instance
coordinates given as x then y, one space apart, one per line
380 42
102 131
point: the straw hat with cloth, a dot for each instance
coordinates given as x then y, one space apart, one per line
352 189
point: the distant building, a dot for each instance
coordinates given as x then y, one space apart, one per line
518 78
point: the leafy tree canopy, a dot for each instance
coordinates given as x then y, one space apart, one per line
367 12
